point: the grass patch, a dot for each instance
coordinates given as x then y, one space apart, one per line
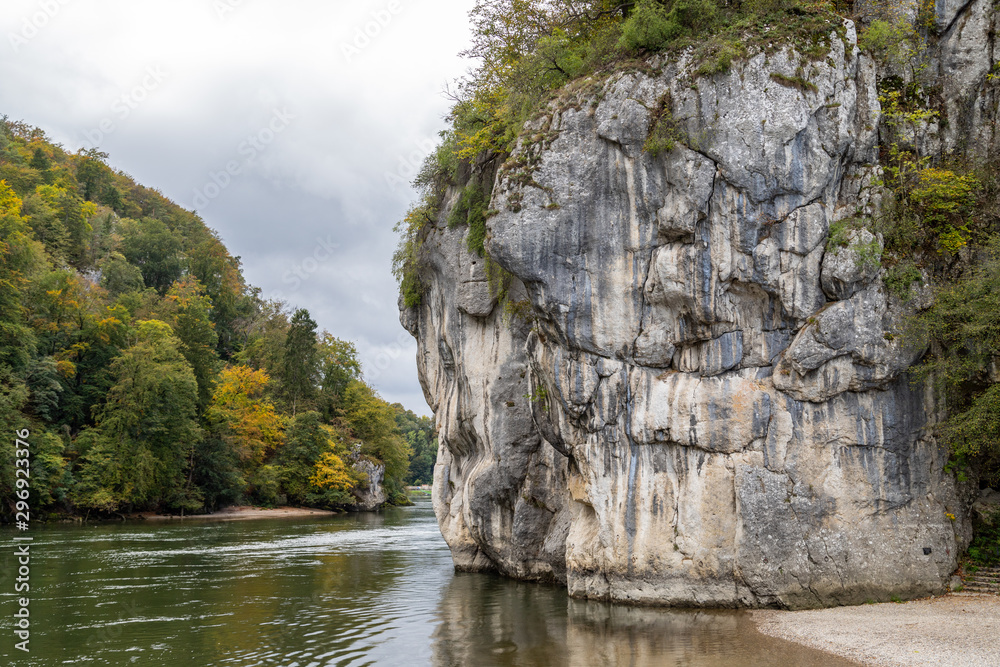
797 82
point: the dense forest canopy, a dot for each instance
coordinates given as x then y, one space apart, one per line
150 374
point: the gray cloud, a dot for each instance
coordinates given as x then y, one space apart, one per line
184 95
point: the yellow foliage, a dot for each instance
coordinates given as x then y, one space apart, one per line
10 203
247 421
66 368
331 472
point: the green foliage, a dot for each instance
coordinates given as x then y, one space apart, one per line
406 260
152 247
964 322
300 361
892 40
985 547
187 310
930 206
310 442
648 27
147 429
118 276
420 436
840 235
654 25
943 199
797 82
471 210
123 383
901 277
338 367
663 132
373 422
720 59
974 434
963 326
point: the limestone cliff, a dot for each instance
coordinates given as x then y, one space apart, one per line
703 406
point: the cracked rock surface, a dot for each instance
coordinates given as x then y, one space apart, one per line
704 407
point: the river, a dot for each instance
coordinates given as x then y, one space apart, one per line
368 589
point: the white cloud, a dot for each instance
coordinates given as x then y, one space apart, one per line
362 111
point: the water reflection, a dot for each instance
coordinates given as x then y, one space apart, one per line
491 621
344 591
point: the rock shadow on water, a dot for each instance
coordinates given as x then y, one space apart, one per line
489 620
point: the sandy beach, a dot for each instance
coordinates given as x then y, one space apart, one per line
952 630
243 513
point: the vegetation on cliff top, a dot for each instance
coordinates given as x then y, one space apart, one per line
527 50
150 375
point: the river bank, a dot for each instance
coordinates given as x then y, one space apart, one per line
243 512
958 630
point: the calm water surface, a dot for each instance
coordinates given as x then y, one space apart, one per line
349 590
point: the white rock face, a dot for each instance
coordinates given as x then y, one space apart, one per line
372 497
707 408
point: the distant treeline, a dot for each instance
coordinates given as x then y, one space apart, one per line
150 374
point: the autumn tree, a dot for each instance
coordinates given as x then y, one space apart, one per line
242 416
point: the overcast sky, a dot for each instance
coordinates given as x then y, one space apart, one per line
292 127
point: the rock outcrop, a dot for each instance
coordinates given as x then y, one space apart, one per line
704 406
372 496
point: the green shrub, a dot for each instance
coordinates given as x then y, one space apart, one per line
405 261
476 239
974 435
694 16
900 278
648 27
765 7
663 132
720 60
654 25
963 325
985 547
797 82
840 235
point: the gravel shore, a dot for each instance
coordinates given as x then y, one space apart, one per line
953 630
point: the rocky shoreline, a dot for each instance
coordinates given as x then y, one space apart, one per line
958 629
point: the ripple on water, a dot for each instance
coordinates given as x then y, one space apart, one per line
345 591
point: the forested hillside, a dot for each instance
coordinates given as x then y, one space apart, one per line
150 374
